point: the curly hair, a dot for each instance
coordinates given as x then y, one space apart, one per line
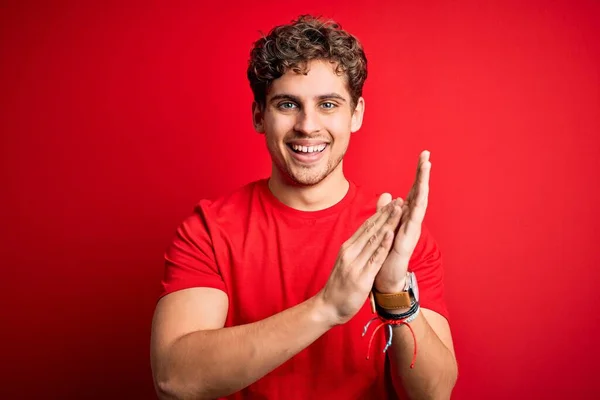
293 45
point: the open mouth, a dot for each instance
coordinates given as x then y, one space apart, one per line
307 149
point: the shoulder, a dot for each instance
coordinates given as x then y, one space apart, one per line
233 203
211 218
226 209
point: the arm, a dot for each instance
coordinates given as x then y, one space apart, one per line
208 362
195 357
435 371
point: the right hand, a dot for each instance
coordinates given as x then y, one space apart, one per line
357 264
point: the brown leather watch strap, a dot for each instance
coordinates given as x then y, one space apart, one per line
392 301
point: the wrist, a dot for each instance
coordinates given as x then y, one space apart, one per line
399 310
391 287
398 313
398 298
323 314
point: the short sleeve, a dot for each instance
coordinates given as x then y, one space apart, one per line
426 263
190 257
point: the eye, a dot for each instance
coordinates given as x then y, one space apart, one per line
286 105
328 105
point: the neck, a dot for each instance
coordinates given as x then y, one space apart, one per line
324 194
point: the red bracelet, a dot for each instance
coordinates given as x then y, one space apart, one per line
389 323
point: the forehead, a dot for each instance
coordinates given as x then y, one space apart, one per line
320 78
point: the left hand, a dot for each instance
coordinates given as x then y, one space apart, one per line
392 275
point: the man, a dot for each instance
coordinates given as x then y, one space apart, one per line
266 289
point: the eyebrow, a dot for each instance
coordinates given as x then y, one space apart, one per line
296 99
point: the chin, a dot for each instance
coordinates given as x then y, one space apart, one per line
308 180
306 177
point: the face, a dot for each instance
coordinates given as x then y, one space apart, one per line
307 122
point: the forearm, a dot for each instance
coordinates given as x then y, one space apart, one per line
214 363
435 371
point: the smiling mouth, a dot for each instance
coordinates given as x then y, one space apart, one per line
307 149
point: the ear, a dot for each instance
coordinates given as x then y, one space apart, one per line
258 117
357 115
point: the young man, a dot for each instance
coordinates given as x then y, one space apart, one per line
266 290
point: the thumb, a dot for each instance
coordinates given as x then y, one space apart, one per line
384 199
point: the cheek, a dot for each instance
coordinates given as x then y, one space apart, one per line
277 128
339 127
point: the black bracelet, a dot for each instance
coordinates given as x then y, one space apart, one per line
386 315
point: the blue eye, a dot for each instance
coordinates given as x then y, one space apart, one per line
287 105
328 105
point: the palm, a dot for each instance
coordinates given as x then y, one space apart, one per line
413 210
409 230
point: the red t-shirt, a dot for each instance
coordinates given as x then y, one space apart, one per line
268 257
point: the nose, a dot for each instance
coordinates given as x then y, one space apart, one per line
307 122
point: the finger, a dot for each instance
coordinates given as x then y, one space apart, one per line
423 157
374 241
416 212
375 262
395 217
422 185
384 200
371 236
369 224
423 193
414 190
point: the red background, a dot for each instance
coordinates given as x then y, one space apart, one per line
117 118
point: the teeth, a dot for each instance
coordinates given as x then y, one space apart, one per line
309 149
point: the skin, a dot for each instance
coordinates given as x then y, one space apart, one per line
295 110
188 335
437 370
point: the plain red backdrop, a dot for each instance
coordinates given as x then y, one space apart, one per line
116 118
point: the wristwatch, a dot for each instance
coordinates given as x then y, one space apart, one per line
405 299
